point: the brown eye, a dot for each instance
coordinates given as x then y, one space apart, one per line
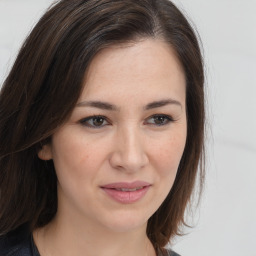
159 120
94 121
98 121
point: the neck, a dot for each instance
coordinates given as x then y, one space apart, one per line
63 238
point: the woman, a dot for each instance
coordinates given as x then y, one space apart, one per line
101 129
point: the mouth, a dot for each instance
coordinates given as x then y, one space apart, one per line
126 193
128 189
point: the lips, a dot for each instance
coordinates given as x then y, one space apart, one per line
128 189
124 192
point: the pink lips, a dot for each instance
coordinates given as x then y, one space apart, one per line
125 192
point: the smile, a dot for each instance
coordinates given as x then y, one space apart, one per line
128 189
126 193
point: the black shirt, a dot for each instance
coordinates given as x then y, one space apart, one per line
20 243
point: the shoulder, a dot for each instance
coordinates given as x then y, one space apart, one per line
16 243
171 253
168 252
174 254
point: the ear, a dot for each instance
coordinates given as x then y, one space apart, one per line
45 152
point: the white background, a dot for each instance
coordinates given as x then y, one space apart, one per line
225 223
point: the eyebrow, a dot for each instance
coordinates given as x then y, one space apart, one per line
162 103
97 104
107 106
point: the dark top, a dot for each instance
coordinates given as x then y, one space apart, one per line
20 243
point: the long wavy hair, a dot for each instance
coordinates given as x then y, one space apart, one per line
43 87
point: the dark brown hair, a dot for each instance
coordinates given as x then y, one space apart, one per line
43 87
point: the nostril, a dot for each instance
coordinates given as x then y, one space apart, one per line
129 152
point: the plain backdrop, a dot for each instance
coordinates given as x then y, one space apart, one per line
225 222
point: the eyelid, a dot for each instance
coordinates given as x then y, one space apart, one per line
84 121
169 119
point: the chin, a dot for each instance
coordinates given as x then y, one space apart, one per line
126 222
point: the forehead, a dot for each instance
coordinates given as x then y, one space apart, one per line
138 67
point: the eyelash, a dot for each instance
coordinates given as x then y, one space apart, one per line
85 121
167 118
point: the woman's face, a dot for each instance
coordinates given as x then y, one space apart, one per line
117 156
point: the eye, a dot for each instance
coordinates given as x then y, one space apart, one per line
94 121
159 120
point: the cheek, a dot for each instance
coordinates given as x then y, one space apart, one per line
167 155
75 163
76 158
165 160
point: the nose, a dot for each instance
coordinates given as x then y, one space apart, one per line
129 153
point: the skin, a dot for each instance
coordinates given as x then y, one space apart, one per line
132 142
